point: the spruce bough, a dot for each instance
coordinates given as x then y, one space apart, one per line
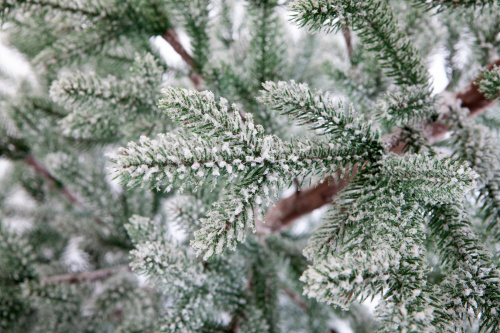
187 227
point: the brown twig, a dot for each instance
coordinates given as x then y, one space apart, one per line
41 170
173 39
287 210
295 298
89 276
348 42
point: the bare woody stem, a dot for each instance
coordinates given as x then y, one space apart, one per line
89 276
173 39
348 42
287 210
40 169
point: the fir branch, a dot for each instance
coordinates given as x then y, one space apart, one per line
199 112
472 98
473 280
489 195
86 95
418 179
406 105
377 28
320 112
477 145
287 210
430 180
489 84
88 8
266 49
168 266
384 212
447 4
382 222
255 163
17 256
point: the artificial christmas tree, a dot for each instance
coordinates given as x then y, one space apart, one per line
201 221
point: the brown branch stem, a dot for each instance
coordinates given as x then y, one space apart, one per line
89 276
295 298
39 168
173 39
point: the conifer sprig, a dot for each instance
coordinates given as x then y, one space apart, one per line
406 105
376 26
321 112
386 214
200 113
224 146
444 4
416 178
489 84
85 95
472 279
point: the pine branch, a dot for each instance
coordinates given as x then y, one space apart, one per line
223 146
489 84
471 96
287 210
376 26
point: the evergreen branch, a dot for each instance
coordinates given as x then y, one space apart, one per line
81 89
172 160
87 8
227 147
287 210
477 145
17 256
86 95
266 49
473 279
172 38
377 28
406 105
199 112
472 98
384 212
430 180
412 179
392 227
168 266
489 84
490 196
196 15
